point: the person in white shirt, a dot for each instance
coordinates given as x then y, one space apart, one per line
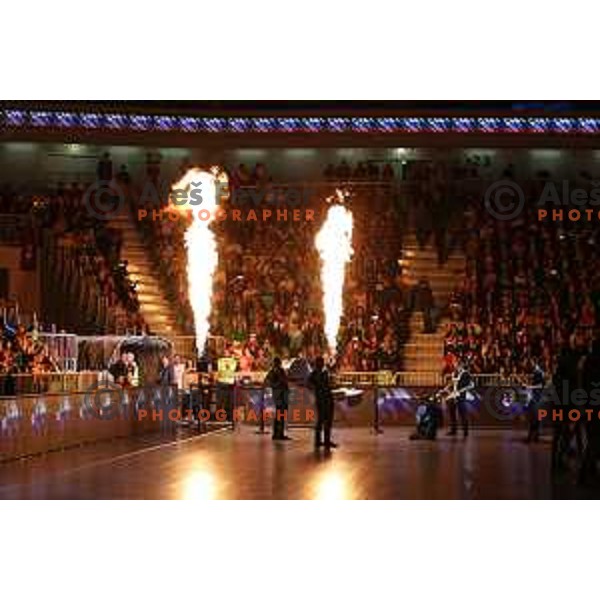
179 372
133 371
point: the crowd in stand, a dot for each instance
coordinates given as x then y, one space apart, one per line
519 300
266 294
531 285
243 176
97 250
362 171
265 299
12 203
375 293
110 276
95 245
22 352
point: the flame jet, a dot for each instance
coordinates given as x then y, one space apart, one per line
201 201
334 244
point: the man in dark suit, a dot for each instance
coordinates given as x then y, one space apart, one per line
537 387
425 303
567 374
167 372
277 380
319 381
462 382
590 377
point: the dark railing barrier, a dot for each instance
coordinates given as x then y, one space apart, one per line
22 384
33 424
374 405
504 405
41 422
62 415
63 348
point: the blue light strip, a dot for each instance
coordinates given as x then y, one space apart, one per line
60 120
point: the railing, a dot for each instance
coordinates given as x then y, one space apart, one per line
364 378
49 419
319 184
21 384
93 354
184 345
499 380
63 349
438 379
38 423
418 379
252 377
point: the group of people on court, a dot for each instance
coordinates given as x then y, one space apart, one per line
456 395
461 384
319 382
572 366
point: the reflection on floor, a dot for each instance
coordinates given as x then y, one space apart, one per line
243 465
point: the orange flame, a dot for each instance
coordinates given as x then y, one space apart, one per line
334 243
202 188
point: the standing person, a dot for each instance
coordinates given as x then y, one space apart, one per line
277 380
425 303
566 374
319 381
226 369
161 396
118 370
589 377
166 375
133 371
167 379
178 372
537 386
104 169
153 161
462 382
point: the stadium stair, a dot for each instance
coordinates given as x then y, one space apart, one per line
424 352
158 313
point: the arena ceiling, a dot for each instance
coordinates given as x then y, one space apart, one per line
305 123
